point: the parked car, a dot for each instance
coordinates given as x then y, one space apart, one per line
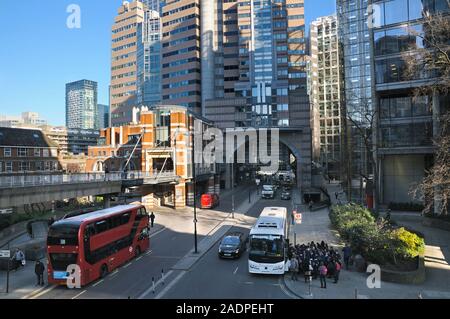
232 245
209 200
268 191
285 194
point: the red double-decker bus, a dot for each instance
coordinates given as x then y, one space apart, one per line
98 242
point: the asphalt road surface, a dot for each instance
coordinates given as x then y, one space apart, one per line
217 278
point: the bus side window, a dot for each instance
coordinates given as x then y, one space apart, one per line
125 218
141 213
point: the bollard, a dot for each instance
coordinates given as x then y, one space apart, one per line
162 276
153 284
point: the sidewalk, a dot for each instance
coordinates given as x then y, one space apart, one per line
316 227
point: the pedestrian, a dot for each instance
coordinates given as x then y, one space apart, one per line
152 219
310 205
323 275
347 251
336 194
293 218
331 268
293 268
19 258
337 271
39 271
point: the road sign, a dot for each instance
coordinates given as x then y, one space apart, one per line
5 254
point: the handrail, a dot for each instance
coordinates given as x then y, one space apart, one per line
13 181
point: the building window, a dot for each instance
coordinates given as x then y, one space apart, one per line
1 167
47 165
45 153
7 152
38 166
37 152
23 166
22 152
8 167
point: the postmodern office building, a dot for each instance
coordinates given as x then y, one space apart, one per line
326 93
406 125
81 104
181 70
257 76
136 59
355 58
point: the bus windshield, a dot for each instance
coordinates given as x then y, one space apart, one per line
266 246
63 234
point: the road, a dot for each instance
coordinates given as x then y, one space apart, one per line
218 278
168 246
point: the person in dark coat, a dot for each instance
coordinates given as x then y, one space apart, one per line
39 271
347 250
152 219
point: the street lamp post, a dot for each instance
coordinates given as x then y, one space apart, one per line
232 189
194 189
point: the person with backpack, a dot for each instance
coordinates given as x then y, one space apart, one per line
337 270
323 275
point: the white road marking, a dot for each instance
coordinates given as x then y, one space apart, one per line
148 252
170 285
127 265
79 294
150 289
285 291
33 295
140 257
235 271
154 234
98 282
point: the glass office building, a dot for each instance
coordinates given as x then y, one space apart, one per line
354 38
81 104
405 123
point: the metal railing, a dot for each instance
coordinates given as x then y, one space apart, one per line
14 181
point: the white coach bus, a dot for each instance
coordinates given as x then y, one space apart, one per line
267 242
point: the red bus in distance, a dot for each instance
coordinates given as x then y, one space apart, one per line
98 242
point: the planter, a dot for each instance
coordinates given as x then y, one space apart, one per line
406 277
436 223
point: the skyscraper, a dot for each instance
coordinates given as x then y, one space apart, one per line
181 70
256 72
355 57
149 58
102 116
123 87
326 87
81 104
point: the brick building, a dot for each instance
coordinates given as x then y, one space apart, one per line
159 142
27 151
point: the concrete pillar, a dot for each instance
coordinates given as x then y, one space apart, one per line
190 194
180 195
106 201
436 109
211 185
227 176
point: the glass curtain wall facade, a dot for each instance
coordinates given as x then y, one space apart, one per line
149 59
405 124
81 104
355 48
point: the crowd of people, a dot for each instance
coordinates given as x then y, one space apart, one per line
315 260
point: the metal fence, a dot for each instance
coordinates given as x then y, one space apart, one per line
59 179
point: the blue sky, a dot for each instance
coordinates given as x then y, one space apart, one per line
40 54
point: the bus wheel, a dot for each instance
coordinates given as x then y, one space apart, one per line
137 251
103 271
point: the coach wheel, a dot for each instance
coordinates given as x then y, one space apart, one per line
103 271
137 251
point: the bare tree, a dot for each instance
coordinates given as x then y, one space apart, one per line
433 63
362 119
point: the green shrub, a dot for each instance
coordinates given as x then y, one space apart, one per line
378 242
